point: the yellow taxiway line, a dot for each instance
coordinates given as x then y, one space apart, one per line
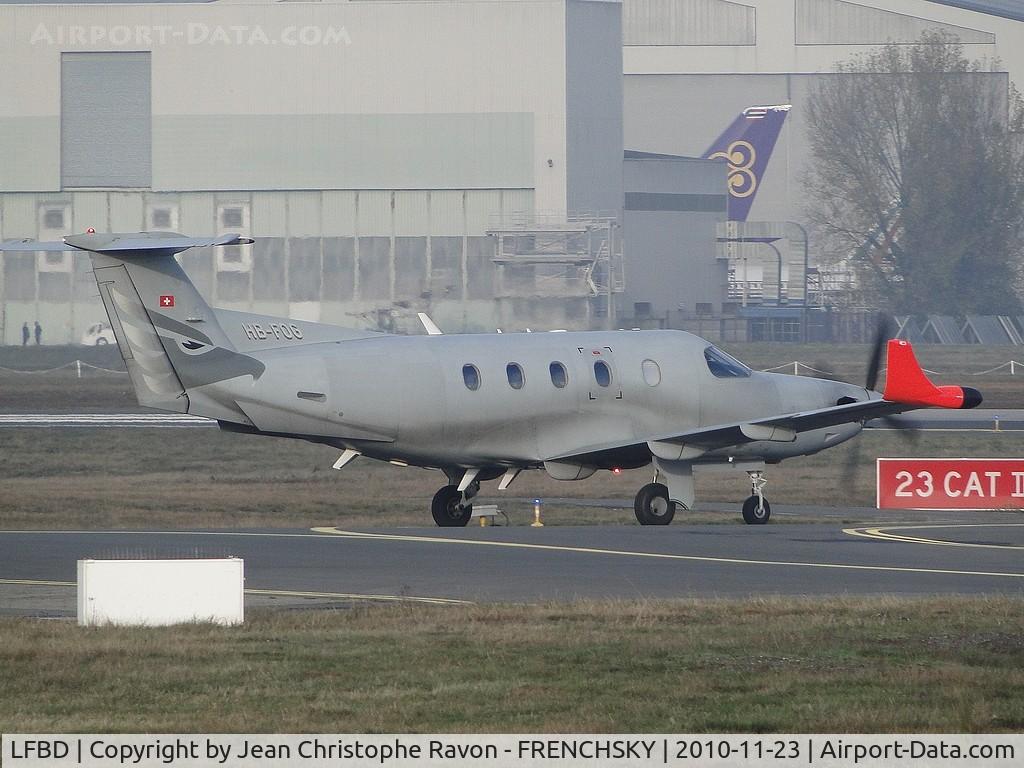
882 533
660 555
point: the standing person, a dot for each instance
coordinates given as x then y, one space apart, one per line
24 334
39 333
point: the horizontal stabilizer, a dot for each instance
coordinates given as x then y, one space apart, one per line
142 243
34 245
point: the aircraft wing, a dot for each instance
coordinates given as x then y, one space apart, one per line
906 388
780 428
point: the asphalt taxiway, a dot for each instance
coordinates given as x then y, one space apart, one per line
888 554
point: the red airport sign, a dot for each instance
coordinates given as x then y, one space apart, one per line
950 484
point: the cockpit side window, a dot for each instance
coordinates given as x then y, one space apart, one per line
723 366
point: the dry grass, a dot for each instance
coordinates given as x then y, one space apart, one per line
136 478
841 665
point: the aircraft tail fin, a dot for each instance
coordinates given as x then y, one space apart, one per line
169 337
747 145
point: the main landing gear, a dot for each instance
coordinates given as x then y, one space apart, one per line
452 507
653 506
756 509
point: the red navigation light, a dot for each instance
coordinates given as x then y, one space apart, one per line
90 231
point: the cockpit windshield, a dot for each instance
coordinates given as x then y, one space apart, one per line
724 366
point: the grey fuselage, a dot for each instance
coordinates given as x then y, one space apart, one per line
404 398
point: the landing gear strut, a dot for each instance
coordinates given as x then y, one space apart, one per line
453 508
756 509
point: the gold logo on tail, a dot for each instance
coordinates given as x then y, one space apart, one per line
740 156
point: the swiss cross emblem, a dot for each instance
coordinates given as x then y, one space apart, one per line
166 301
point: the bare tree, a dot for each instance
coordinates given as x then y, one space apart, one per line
917 177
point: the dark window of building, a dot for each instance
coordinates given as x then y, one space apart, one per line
703 309
559 375
723 366
231 217
602 373
471 376
516 379
53 218
161 218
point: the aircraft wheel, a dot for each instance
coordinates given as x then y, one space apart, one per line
446 508
652 505
754 516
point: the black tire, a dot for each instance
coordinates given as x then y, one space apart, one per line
100 342
446 510
754 516
653 506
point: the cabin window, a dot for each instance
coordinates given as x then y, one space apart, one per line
516 379
723 366
652 373
602 373
471 376
559 375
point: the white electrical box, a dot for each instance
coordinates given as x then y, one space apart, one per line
160 592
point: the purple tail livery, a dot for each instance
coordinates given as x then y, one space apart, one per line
746 145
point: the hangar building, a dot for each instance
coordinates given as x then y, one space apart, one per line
370 145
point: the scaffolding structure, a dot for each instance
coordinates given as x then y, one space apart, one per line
546 255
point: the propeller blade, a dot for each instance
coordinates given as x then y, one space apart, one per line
851 468
883 333
911 434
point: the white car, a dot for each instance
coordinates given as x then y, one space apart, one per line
98 334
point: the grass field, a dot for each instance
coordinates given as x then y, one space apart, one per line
882 665
84 478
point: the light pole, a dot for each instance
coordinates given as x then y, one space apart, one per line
803 311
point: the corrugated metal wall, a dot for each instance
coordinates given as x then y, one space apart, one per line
834 22
321 255
687 22
105 126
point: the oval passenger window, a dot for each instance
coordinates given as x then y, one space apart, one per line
602 373
516 379
559 375
471 376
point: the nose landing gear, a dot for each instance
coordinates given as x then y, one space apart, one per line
756 509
